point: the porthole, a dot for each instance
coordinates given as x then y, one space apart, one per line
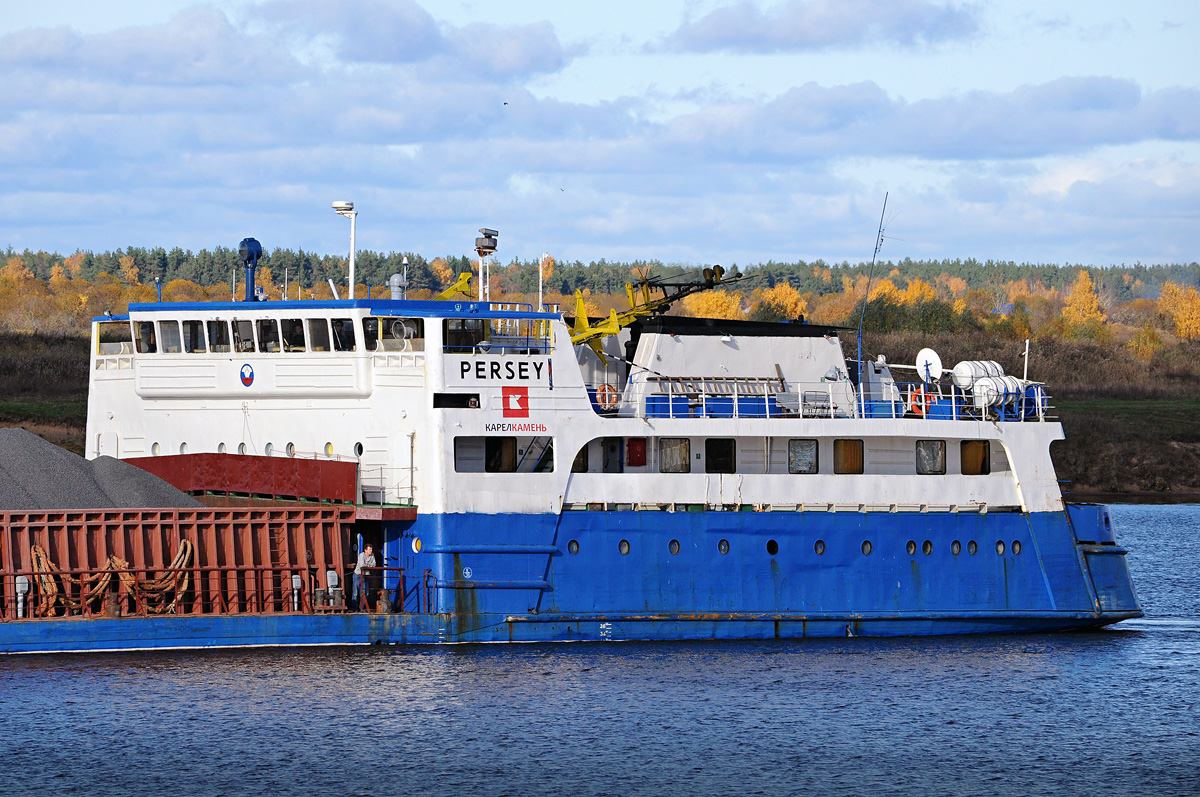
241 448
572 547
956 547
358 449
1000 547
772 547
866 547
972 547
291 449
911 547
927 547
1016 547
673 547
183 448
269 449
416 544
723 546
221 448
329 449
819 547
156 449
623 547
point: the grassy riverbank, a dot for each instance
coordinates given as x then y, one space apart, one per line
1116 448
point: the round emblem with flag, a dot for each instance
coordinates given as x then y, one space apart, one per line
247 375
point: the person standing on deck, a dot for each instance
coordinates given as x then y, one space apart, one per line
366 560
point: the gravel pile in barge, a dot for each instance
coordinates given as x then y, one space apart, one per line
36 474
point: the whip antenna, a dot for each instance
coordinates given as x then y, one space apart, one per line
863 314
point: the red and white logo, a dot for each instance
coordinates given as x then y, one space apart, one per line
516 402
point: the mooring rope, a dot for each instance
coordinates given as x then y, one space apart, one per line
151 593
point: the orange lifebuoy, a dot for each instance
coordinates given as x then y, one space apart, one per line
918 401
606 397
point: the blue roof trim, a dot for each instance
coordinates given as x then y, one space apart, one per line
124 317
382 307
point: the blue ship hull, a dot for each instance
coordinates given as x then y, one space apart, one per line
611 575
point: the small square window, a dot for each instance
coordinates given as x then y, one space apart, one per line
931 457
847 456
675 455
802 456
720 455
976 458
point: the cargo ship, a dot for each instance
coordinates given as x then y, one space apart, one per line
526 475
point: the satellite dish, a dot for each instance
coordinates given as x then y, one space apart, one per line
929 365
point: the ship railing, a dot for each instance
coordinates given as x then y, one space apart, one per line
746 397
387 485
948 401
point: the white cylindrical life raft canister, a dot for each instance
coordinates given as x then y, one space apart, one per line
968 372
992 391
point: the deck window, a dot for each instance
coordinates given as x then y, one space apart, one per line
268 335
802 456
464 334
720 455
931 457
976 458
146 342
193 337
168 334
343 334
674 455
318 334
847 456
293 334
113 337
243 336
218 337
394 334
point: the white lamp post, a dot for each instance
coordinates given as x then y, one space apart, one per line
347 209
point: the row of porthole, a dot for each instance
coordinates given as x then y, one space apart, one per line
268 449
819 547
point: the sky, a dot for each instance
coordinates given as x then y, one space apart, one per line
686 131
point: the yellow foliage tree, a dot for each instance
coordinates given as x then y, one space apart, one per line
886 290
130 273
715 304
917 291
1082 306
1145 343
779 302
1183 306
16 270
956 285
441 271
74 264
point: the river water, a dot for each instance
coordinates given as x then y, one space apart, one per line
1114 712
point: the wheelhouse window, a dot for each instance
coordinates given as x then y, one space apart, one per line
146 341
243 336
219 340
193 337
674 455
268 335
720 455
976 457
343 334
464 334
318 334
931 457
169 336
847 456
394 334
293 334
113 337
802 456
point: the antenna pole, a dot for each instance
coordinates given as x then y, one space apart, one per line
871 273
